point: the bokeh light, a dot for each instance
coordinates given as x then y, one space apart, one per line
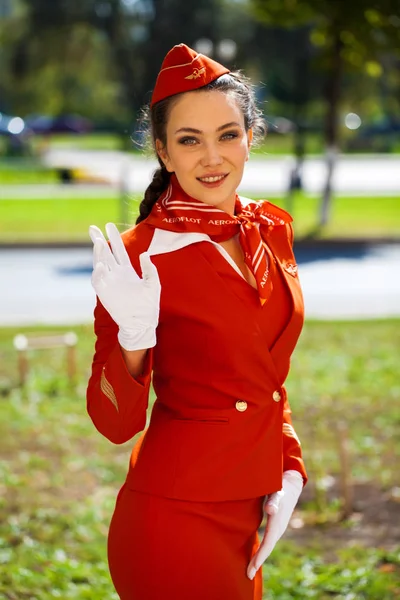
16 125
352 121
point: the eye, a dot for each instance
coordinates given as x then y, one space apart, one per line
230 135
187 141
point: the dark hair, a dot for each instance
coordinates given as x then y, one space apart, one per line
156 120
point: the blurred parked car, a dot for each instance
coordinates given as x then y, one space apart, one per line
379 137
45 124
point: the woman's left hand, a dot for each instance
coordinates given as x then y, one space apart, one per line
279 508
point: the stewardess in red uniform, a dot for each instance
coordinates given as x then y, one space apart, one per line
202 296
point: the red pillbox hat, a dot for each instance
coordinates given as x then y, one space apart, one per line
183 70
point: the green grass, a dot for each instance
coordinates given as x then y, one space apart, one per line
64 219
26 172
68 218
295 573
276 144
346 372
59 476
87 141
350 216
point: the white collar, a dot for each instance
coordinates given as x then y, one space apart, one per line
168 241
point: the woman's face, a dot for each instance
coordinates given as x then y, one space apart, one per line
207 146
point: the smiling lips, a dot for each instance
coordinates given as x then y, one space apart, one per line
212 178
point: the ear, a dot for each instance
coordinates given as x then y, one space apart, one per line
162 153
249 141
250 136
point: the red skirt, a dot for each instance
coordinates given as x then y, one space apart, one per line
163 548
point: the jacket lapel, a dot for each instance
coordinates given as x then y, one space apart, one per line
279 244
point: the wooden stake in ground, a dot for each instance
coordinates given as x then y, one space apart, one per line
346 484
24 343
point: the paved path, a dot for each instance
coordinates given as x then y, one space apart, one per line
269 176
53 286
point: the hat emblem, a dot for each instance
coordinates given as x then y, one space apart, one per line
196 73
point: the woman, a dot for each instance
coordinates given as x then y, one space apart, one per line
204 293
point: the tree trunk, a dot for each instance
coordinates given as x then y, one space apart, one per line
331 125
296 171
117 32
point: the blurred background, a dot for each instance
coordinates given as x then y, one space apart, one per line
74 77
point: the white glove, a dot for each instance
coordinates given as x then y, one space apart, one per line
279 508
133 303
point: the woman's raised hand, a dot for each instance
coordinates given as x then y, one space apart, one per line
133 302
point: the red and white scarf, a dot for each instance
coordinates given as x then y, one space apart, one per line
176 211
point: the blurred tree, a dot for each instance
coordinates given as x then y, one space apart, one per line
291 81
350 35
118 41
56 69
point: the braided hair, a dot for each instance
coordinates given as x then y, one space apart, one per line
158 184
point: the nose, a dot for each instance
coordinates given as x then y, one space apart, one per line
211 156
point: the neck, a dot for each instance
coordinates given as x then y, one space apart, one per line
228 206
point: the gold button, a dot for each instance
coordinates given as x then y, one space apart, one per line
241 405
276 396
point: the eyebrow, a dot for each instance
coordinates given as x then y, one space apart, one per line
192 130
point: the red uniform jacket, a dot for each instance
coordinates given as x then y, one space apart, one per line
220 428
